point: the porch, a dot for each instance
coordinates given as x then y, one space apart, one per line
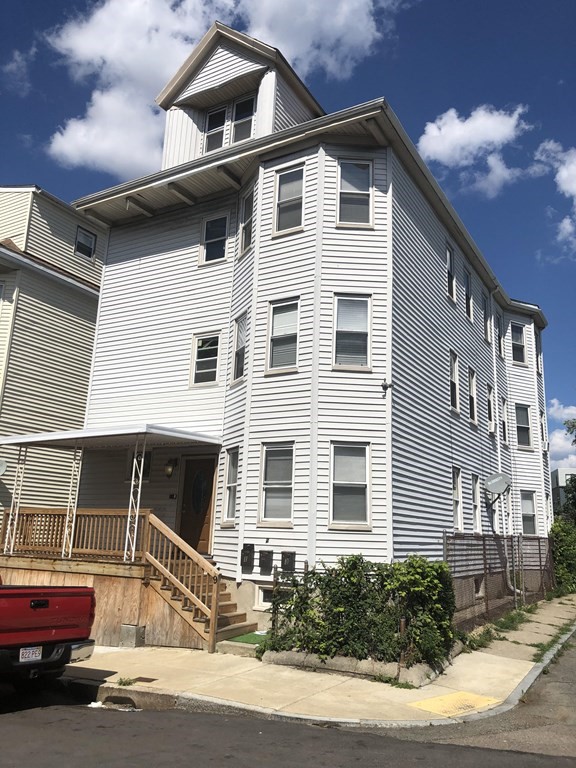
152 586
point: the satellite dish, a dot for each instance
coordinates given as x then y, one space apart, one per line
498 483
3 466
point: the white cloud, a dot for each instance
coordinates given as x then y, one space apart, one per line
495 179
15 73
129 49
459 142
560 412
562 452
563 162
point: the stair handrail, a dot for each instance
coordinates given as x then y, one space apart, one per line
209 608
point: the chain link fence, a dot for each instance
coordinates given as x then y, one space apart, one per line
494 574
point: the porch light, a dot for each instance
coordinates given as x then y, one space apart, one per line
170 466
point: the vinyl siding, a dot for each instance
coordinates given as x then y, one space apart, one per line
428 438
289 110
46 381
52 237
14 215
224 64
182 136
156 298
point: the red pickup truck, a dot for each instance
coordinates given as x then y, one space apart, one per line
42 629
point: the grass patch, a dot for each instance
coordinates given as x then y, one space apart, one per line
543 648
511 621
393 682
251 638
125 681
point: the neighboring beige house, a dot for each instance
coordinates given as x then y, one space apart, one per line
560 477
50 268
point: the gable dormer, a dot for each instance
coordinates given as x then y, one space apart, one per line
231 89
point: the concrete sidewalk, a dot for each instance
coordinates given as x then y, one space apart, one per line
477 684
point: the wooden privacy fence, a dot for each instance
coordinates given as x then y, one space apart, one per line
493 574
98 533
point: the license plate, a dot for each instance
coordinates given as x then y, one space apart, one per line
31 654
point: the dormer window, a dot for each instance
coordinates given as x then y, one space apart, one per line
229 124
85 243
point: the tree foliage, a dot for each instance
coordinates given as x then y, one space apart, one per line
563 539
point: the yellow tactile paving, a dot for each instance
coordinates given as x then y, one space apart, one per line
454 704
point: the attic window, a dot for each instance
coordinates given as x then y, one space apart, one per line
243 112
85 243
215 129
229 123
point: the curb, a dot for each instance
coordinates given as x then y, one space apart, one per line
159 700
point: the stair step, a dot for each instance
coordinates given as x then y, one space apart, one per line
236 629
227 619
227 607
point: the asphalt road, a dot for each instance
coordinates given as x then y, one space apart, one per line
54 730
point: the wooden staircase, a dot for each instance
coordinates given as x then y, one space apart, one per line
192 585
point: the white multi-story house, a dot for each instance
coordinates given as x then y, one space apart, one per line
298 339
50 267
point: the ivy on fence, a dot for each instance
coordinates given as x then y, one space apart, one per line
366 610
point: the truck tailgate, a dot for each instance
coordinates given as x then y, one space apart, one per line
45 614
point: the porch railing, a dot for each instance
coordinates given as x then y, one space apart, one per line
192 579
98 533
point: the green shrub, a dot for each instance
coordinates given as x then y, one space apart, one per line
355 609
563 539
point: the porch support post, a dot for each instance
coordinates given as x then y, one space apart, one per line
134 504
12 526
68 542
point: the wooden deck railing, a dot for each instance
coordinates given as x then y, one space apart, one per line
191 578
98 533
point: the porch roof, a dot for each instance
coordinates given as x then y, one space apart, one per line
157 436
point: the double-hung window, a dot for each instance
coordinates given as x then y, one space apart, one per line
523 426
349 484
500 334
457 498
355 196
454 387
450 273
231 484
214 238
468 293
289 191
352 336
518 350
528 512
277 482
240 346
205 359
215 128
242 119
476 504
486 316
490 407
246 216
472 393
504 420
284 335
85 243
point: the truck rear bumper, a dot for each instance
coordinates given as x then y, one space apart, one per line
81 651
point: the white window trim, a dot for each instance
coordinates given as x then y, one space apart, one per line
504 421
348 526
289 368
476 508
229 522
450 273
500 334
524 491
276 522
236 348
456 380
472 394
523 345
243 222
229 109
457 516
350 224
222 215
491 407
233 121
486 318
469 297
530 446
195 338
342 367
278 172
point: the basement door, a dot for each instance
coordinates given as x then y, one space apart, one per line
197 503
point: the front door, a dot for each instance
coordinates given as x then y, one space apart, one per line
197 503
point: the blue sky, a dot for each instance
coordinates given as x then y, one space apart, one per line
486 90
